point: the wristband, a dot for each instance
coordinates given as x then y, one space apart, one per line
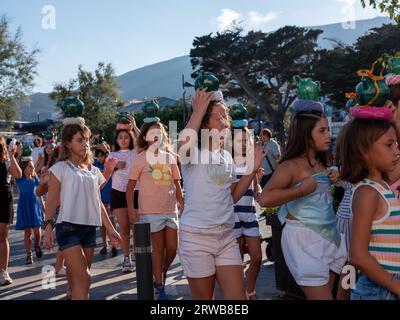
49 221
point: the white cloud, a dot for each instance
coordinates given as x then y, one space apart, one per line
227 17
257 19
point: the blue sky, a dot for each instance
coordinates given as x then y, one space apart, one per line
134 33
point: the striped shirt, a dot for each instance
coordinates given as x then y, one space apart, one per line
384 243
246 205
344 210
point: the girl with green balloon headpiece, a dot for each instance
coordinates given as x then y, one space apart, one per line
313 249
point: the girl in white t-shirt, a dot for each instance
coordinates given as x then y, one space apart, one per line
75 182
124 154
207 246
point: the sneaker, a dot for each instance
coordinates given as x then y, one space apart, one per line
62 272
127 266
38 252
5 278
114 252
104 250
29 259
159 292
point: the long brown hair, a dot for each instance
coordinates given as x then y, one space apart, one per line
141 142
67 134
395 94
3 149
300 139
23 166
356 138
131 142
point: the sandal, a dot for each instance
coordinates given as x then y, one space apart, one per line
29 259
38 252
251 295
104 250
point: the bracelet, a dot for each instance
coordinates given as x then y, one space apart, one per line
48 221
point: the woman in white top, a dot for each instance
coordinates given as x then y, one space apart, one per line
124 154
75 182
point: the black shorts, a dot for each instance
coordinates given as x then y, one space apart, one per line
118 199
6 207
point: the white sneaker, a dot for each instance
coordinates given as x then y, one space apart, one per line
5 278
127 266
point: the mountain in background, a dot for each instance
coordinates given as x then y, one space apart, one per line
164 79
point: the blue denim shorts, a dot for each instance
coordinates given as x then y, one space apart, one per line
70 235
367 289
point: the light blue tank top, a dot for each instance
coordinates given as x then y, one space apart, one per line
315 210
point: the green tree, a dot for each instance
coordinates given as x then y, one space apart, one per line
99 92
259 67
17 70
392 7
337 68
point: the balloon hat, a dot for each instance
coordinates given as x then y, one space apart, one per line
207 80
238 113
308 93
372 94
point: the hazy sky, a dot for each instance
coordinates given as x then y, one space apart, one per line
134 33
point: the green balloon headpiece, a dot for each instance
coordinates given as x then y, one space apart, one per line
206 80
27 153
372 94
72 107
308 93
150 111
238 113
49 134
392 64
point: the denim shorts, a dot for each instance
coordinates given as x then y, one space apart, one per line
367 289
70 235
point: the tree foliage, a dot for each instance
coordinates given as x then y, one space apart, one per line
392 7
337 68
99 92
258 66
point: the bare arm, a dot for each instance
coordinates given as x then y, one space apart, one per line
279 189
129 196
179 194
15 169
53 197
201 100
365 205
239 188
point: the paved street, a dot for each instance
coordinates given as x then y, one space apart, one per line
108 283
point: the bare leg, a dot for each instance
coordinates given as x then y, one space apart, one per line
171 244
123 221
158 245
79 261
4 246
28 240
254 245
202 288
231 281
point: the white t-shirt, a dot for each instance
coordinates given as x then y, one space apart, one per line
36 152
80 200
208 197
120 177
